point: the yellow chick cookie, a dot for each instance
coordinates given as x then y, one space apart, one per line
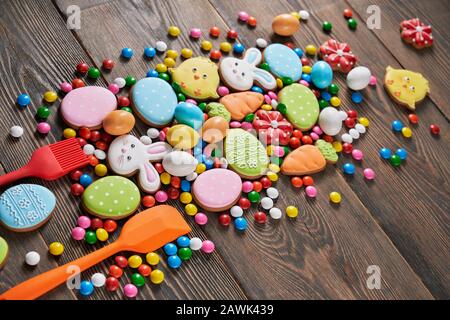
406 87
198 78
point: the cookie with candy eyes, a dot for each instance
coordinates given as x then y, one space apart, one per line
198 78
4 251
154 101
406 87
87 107
127 155
283 61
26 207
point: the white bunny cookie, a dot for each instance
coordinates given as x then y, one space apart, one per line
127 155
240 74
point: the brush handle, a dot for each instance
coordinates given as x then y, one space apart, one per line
13 176
43 283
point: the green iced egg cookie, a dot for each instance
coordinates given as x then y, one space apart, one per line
302 106
112 197
245 154
327 150
3 252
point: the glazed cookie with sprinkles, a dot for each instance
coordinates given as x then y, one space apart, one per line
283 61
338 55
417 33
4 250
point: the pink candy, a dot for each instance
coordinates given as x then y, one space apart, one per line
267 99
357 154
114 88
43 128
162 135
311 191
84 222
317 130
247 186
78 233
272 95
278 151
246 125
305 83
161 196
65 87
130 290
223 91
201 218
195 33
235 124
373 81
243 16
191 101
314 136
369 174
208 246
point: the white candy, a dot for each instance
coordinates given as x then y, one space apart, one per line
192 176
275 213
272 193
161 46
266 203
261 43
304 15
146 140
223 163
32 258
179 163
236 211
195 244
120 82
274 103
354 133
358 78
330 120
153 133
347 138
100 154
360 128
98 279
16 131
88 149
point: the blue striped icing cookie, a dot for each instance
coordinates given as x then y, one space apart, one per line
26 207
283 61
154 101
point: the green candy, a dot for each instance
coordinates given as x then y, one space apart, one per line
282 108
254 196
137 279
176 87
323 104
181 97
93 73
249 118
395 160
130 81
90 237
202 106
352 23
185 253
276 160
327 150
286 81
164 76
264 66
43 112
327 26
333 89
3 252
127 109
215 109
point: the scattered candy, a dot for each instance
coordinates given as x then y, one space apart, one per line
98 279
335 197
291 211
16 131
369 174
435 129
130 290
32 258
86 288
56 248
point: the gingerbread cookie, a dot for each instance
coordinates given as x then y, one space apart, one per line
128 155
283 61
242 103
327 150
240 74
87 107
338 55
417 33
245 154
154 101
198 78
272 127
406 87
302 106
4 250
111 197
217 190
26 207
304 160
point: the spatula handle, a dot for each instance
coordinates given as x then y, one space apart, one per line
43 283
15 175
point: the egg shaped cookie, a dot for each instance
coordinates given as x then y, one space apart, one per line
26 207
189 114
154 101
4 250
283 61
112 197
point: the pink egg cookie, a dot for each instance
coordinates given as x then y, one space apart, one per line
217 190
87 107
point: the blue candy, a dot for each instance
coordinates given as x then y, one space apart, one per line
127 53
397 125
85 180
170 249
240 223
385 153
86 288
299 52
357 97
174 261
306 77
257 89
348 168
185 186
321 74
402 153
238 48
183 241
152 73
325 96
149 52
23 100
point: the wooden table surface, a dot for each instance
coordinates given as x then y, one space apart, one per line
399 222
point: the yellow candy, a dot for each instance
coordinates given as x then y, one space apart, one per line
310 50
185 198
306 69
272 176
337 145
201 167
102 234
134 261
186 53
269 150
165 178
56 248
152 258
407 133
279 83
335 197
169 62
157 276
160 67
364 121
225 47
274 168
101 170
69 133
335 101
266 107
292 212
191 209
50 96
174 31
206 45
295 14
172 54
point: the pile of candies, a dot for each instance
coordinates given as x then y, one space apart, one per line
219 136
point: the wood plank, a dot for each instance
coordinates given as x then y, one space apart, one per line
431 62
37 53
318 223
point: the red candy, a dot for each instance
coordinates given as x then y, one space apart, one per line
159 167
175 182
251 21
307 140
297 133
76 174
93 161
123 101
232 34
76 189
297 182
348 13
257 186
81 142
413 118
308 181
112 284
173 193
225 219
110 225
108 64
77 83
102 145
96 223
352 113
260 217
95 135
214 32
435 129
244 203
327 138
350 122
121 261
266 183
115 271
347 147
294 142
148 201
305 61
215 54
106 137
144 270
82 67
85 133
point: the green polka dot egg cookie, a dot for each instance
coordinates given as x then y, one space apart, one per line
3 252
245 154
112 197
302 106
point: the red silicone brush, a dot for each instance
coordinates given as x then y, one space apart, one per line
50 162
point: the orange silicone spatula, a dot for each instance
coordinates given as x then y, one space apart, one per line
145 232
